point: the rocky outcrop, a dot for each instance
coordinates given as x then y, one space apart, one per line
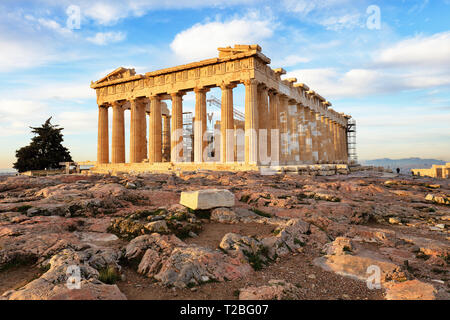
53 284
173 263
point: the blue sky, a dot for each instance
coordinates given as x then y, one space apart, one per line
394 80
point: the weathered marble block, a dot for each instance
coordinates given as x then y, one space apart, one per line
207 199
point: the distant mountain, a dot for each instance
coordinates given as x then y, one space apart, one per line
405 165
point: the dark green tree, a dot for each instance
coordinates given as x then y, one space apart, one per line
45 150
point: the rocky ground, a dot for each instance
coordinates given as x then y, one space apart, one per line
287 236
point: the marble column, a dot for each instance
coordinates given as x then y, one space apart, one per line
227 124
251 122
336 141
166 138
103 137
284 134
176 153
308 136
263 124
274 143
118 134
294 156
330 148
320 138
155 131
200 124
134 132
314 136
302 134
344 144
143 129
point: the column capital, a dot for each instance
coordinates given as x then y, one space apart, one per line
228 85
201 89
177 94
248 82
263 86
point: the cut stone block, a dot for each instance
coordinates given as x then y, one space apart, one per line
207 199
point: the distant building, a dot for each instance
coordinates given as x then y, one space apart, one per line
436 171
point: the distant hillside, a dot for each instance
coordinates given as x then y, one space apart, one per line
405 165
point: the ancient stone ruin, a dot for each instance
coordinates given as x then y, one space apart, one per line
285 123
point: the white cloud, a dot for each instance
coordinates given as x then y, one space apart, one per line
78 122
421 50
202 40
305 7
18 54
347 21
109 12
104 38
417 63
291 60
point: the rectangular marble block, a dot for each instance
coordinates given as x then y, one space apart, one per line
207 199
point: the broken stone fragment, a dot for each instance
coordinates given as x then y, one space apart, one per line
394 220
207 199
439 199
340 246
159 226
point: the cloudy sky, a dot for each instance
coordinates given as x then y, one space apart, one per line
393 78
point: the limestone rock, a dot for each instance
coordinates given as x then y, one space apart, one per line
275 290
440 199
159 226
340 246
245 248
160 243
52 284
410 290
354 266
193 265
207 199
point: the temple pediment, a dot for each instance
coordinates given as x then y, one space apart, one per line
118 74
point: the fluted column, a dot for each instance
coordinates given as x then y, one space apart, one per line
103 137
251 122
227 124
143 129
330 148
336 141
166 138
314 138
200 124
293 133
302 149
274 143
118 134
320 138
345 144
176 153
137 137
263 124
284 134
155 131
308 135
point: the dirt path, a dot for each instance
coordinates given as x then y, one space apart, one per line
17 276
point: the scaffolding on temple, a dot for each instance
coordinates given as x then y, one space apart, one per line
351 141
213 101
188 137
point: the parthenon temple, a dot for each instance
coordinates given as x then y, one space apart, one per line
285 123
